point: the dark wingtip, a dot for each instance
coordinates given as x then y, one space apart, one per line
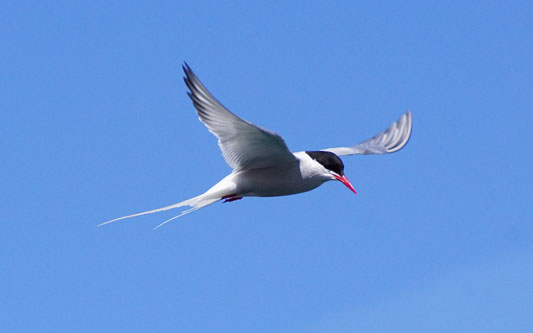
186 68
188 74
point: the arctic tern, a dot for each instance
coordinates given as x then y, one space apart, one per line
262 164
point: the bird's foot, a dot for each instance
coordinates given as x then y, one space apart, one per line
230 198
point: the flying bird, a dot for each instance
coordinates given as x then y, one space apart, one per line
263 165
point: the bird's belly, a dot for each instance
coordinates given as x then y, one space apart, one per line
271 182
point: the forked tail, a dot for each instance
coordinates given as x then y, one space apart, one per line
195 204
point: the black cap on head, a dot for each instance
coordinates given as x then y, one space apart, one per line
329 160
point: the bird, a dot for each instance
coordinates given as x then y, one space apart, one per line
262 164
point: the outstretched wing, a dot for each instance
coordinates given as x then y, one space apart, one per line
243 144
390 140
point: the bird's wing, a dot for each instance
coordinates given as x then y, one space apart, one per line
243 144
390 140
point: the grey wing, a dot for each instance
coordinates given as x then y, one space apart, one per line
243 144
390 140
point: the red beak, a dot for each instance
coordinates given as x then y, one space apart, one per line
346 182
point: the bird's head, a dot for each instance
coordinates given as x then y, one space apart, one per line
334 166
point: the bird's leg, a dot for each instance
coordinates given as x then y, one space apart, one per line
231 197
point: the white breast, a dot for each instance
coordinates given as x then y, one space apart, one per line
301 176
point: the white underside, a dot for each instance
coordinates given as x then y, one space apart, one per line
301 176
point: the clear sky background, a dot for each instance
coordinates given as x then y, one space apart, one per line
96 124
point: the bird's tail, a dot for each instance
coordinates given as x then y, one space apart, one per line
195 204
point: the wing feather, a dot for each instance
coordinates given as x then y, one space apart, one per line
390 140
243 144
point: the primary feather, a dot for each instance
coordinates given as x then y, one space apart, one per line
243 144
390 140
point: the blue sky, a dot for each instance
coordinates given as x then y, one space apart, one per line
95 124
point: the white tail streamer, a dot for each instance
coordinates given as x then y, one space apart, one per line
196 203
